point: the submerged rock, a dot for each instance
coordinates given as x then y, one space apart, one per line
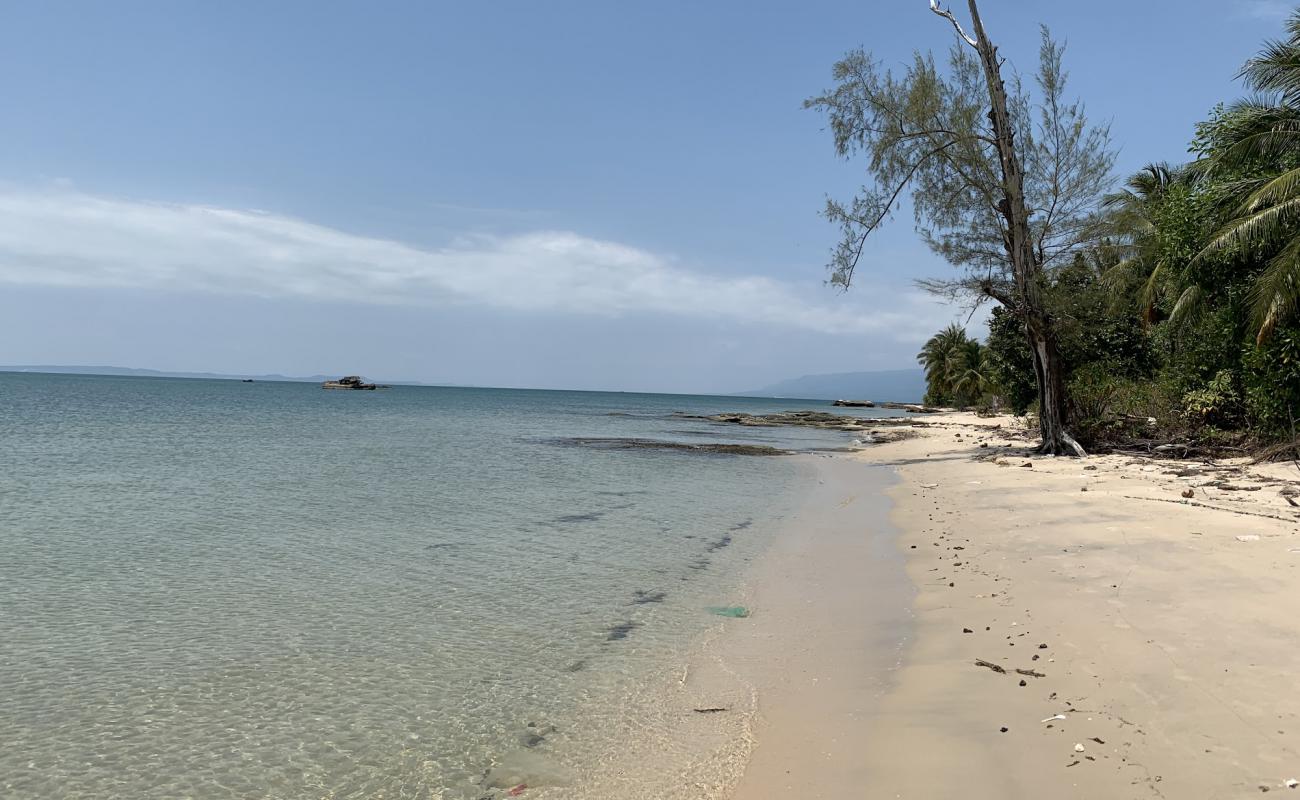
714 448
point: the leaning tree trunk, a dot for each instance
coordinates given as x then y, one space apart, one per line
1051 390
1027 268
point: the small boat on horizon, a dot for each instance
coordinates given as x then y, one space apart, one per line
348 382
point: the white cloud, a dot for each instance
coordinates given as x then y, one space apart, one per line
1266 9
68 238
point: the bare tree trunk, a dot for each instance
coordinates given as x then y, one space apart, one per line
1020 247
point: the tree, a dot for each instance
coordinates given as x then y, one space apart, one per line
1254 148
1002 187
949 359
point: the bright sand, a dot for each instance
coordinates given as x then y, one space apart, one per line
1166 630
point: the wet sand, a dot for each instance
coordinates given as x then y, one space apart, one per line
831 613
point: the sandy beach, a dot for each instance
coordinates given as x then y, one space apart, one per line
1079 629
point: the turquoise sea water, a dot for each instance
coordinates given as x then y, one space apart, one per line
214 589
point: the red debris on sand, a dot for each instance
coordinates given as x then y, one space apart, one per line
518 790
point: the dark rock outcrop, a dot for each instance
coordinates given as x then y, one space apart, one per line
714 448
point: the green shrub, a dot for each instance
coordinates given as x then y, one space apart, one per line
1272 381
1217 404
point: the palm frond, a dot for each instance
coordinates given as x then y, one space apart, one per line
1275 295
1279 190
1253 231
1276 68
1189 305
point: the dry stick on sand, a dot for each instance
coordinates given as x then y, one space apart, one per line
1207 505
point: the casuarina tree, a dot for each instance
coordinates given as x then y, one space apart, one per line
1004 183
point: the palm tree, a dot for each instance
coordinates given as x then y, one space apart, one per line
1145 268
1259 155
969 373
956 368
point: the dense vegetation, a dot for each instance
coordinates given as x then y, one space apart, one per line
1179 320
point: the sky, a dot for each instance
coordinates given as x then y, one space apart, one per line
583 195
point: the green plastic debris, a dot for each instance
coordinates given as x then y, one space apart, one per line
737 612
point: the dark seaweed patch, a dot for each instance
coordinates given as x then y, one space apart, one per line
720 543
621 631
590 516
709 448
642 597
742 525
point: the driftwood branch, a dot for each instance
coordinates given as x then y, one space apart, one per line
948 15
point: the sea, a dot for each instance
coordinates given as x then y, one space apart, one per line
217 589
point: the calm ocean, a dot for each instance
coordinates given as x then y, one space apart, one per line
214 589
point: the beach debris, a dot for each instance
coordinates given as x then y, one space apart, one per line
967 630
1248 537
710 710
1189 493
1024 682
735 612
1031 673
1053 718
1028 464
990 665
1003 729
1292 783
1079 748
1042 646
929 486
1074 763
1095 739
515 791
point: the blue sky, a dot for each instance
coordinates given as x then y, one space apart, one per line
560 195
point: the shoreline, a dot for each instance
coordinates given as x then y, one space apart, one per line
731 714
832 616
1157 632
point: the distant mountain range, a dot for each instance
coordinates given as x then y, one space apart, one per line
899 386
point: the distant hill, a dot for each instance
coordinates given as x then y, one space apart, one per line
899 386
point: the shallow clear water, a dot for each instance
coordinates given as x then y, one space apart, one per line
216 589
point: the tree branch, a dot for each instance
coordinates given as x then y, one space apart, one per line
989 288
947 14
884 212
